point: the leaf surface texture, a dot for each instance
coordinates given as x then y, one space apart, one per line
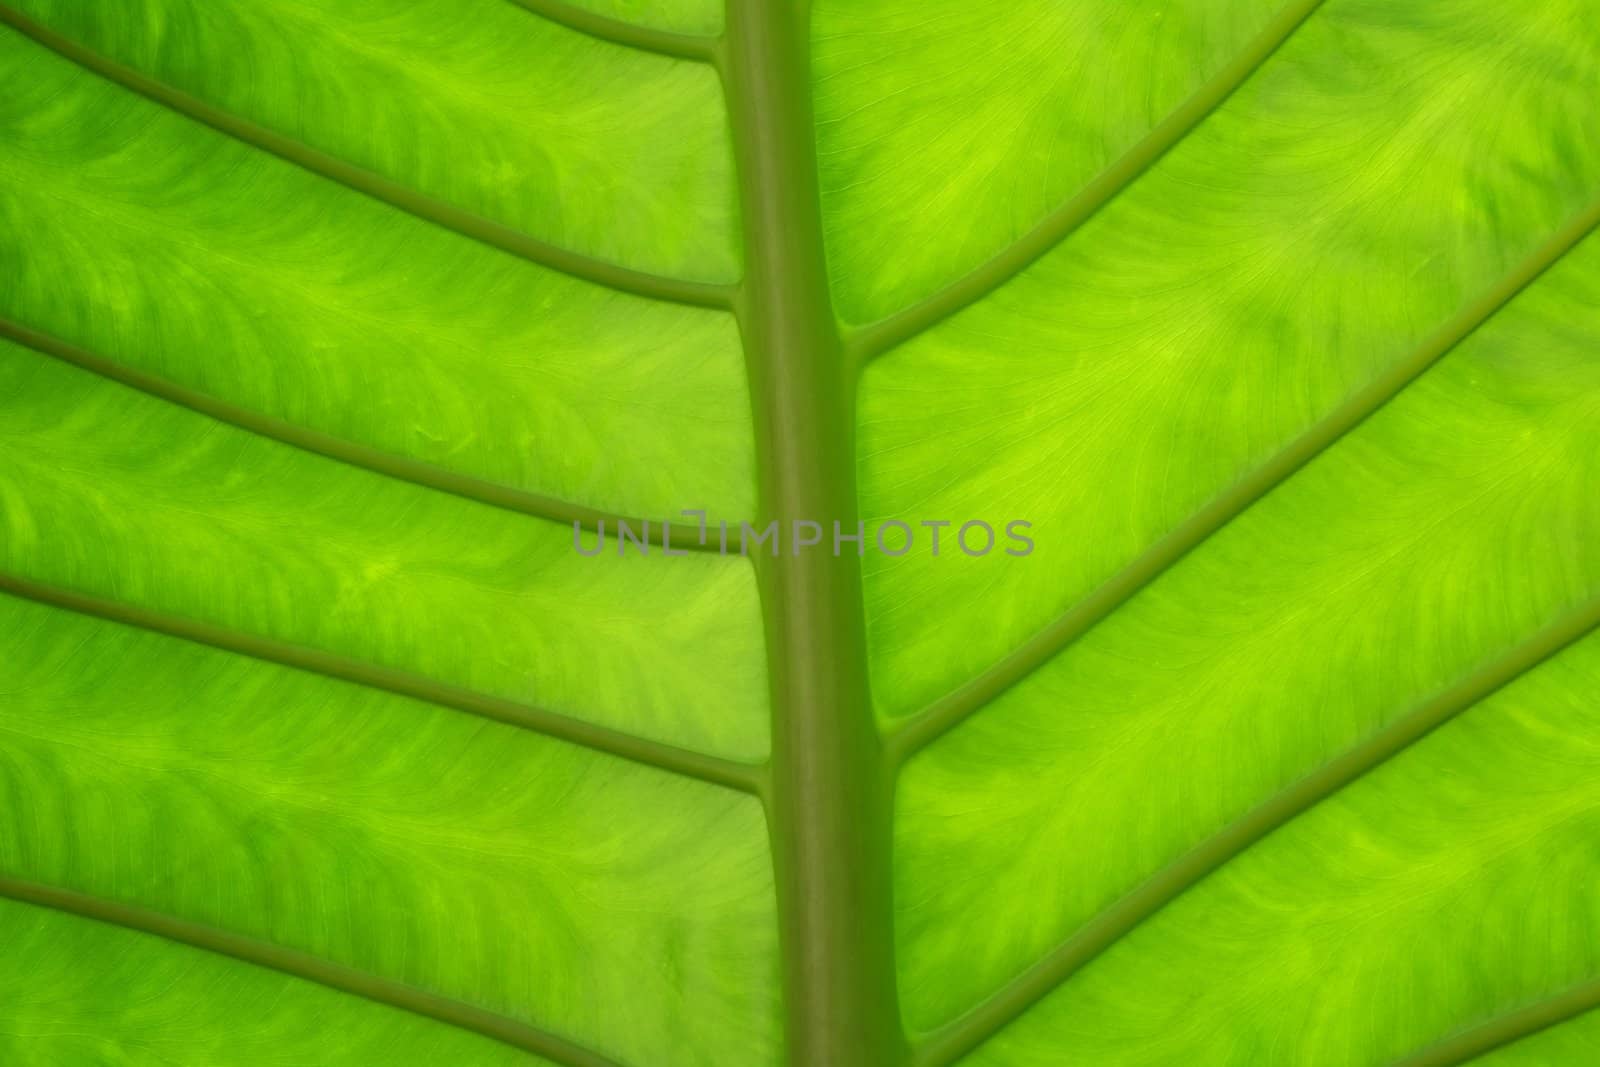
322 324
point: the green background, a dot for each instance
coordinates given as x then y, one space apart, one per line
321 322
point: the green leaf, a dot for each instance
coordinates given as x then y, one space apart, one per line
334 337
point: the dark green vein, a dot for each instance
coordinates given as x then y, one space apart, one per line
868 342
615 31
1470 1044
944 714
1116 922
356 455
389 192
829 805
727 773
310 968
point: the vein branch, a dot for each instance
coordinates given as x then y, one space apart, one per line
869 342
454 1013
729 774
364 457
944 714
1506 1029
1116 922
384 190
628 34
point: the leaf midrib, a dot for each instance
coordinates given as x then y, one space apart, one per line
829 807
863 344
813 615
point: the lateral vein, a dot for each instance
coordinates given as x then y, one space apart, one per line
377 461
729 774
384 190
302 965
630 35
1126 915
868 342
926 726
1470 1044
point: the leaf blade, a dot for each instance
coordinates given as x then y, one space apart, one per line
438 104
387 837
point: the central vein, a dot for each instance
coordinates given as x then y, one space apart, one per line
829 801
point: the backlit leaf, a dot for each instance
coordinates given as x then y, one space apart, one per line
1239 357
